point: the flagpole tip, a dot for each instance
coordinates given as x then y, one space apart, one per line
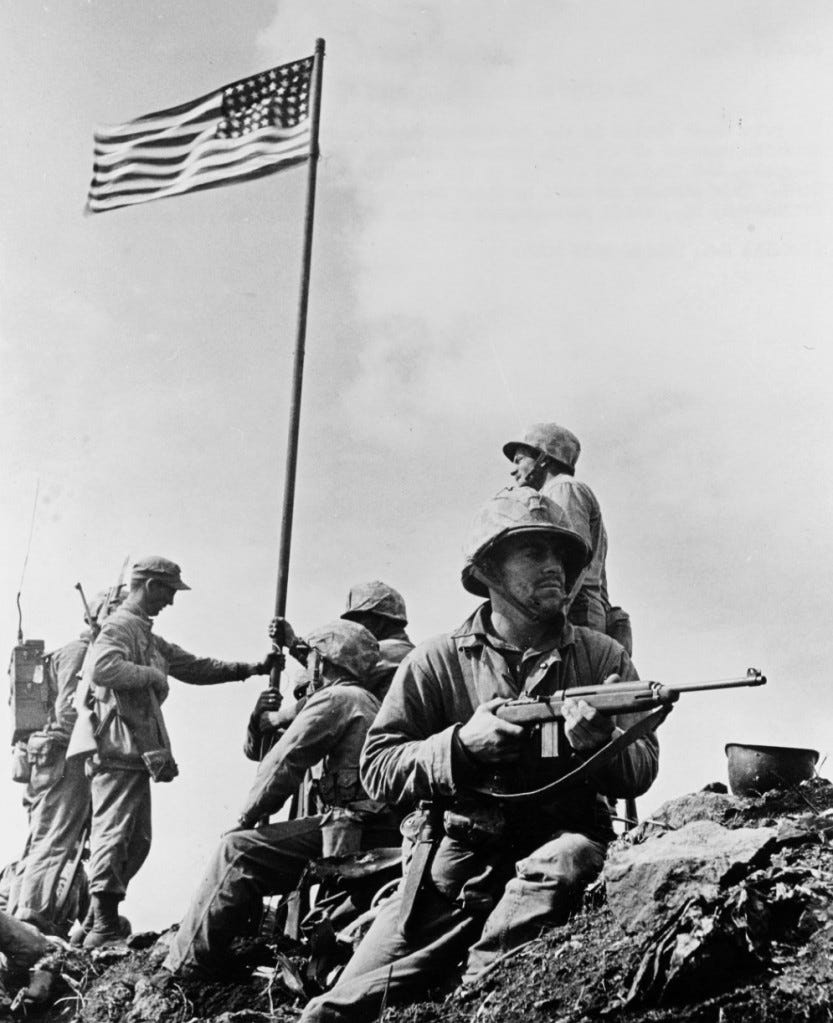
319 45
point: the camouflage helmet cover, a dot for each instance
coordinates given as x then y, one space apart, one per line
522 510
375 598
350 646
548 439
106 600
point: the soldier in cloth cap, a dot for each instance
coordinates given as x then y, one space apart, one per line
487 870
545 458
375 605
251 862
128 677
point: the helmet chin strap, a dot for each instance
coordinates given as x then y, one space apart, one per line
533 612
536 474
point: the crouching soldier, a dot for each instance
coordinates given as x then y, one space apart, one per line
252 861
375 605
487 874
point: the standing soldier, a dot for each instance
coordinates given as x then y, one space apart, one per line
546 459
486 872
252 861
129 668
58 791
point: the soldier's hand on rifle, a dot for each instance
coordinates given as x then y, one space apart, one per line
586 728
281 633
489 739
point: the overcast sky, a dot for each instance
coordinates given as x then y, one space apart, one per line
613 215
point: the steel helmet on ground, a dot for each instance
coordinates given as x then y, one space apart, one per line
375 598
522 510
350 646
549 439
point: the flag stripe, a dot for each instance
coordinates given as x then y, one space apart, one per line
253 127
152 124
253 169
210 155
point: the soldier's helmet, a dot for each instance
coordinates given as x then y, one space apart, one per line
350 646
522 510
548 439
106 601
375 598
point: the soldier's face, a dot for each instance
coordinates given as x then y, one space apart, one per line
523 463
160 595
530 567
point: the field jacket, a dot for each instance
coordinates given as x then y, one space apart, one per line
413 751
125 660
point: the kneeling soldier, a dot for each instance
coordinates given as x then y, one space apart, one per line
487 874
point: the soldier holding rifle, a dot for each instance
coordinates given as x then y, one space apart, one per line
486 874
58 791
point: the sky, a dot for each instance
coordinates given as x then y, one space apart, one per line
616 216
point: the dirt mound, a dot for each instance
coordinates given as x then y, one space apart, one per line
755 944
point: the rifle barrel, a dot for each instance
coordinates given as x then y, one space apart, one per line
753 677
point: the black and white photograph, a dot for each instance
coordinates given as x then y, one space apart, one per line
416 537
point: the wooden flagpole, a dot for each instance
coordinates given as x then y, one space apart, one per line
298 364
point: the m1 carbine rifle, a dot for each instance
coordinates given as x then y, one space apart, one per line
544 716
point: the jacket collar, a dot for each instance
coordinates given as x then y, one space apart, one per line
477 631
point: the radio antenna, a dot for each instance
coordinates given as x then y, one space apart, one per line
25 563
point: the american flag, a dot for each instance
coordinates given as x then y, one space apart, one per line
256 126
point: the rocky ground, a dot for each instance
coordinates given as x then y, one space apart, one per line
718 909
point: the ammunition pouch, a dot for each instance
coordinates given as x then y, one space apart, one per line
339 788
160 764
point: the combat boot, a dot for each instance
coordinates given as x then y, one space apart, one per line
81 928
107 929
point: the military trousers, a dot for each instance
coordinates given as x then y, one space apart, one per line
247 866
120 828
473 909
59 809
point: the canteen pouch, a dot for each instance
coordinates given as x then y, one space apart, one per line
21 768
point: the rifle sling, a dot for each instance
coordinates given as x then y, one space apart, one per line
575 777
